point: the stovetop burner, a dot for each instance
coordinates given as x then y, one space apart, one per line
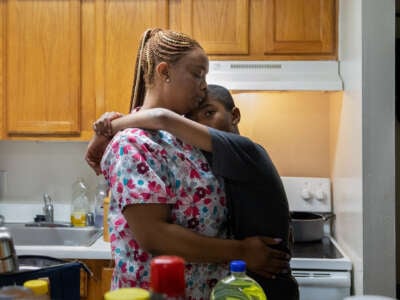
316 249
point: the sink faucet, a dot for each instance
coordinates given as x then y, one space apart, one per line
48 208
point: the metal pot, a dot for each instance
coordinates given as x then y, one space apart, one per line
308 226
9 264
8 257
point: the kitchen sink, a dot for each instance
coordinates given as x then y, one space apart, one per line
52 235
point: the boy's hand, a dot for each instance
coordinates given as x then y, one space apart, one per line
102 126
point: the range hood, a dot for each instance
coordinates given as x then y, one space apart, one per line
276 75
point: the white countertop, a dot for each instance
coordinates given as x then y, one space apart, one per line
98 250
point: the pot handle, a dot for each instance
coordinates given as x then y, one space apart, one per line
327 216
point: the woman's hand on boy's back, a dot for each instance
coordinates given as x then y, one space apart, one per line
263 259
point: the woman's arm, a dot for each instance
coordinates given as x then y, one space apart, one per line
149 225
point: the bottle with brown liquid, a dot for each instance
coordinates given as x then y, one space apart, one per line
106 208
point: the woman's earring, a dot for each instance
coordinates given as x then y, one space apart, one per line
167 80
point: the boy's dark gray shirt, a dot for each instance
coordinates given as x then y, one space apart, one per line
257 200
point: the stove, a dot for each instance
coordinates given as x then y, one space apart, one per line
323 249
321 255
321 268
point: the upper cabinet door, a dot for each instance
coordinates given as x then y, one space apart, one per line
42 55
300 26
119 27
221 26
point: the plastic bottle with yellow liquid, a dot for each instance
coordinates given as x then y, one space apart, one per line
237 285
80 203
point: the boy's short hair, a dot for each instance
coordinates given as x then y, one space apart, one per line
222 95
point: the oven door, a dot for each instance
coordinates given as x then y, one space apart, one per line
327 285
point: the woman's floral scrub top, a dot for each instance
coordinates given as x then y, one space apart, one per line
155 167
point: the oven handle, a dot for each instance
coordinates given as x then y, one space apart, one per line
315 278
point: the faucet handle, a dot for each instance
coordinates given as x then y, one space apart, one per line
47 199
48 208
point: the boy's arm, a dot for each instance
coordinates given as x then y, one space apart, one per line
239 158
234 156
187 130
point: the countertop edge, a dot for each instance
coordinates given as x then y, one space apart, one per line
98 250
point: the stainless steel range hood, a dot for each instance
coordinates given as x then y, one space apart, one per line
276 75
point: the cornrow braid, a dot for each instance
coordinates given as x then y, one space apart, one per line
138 86
157 45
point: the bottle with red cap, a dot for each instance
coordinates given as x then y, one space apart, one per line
167 278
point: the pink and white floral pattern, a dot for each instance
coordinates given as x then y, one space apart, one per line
154 167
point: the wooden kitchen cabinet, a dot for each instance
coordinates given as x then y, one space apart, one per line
44 70
64 63
94 287
300 26
222 27
119 27
43 67
261 29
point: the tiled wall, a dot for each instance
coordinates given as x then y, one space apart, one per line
34 168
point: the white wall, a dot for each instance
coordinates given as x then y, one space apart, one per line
37 167
347 167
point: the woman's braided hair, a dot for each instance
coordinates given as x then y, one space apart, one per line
157 45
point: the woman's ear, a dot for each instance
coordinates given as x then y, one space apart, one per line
235 115
162 71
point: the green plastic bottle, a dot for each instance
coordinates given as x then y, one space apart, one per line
237 285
